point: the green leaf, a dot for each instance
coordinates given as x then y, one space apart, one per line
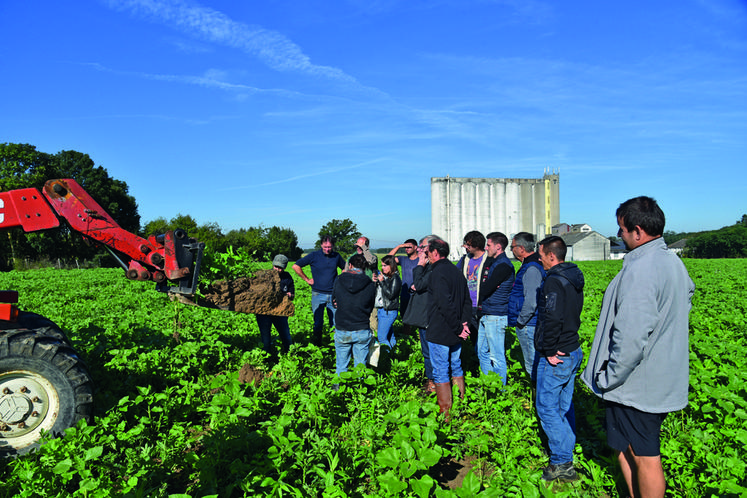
408 453
63 467
388 457
392 483
422 487
430 456
94 453
471 484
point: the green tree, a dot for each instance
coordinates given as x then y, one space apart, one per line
283 241
209 233
22 166
156 227
345 233
110 193
728 242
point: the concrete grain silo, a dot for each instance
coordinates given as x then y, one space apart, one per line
507 205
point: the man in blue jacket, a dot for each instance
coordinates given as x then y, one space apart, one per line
560 301
638 362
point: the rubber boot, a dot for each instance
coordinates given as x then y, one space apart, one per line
459 381
443 396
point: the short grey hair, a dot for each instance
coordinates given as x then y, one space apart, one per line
525 240
428 239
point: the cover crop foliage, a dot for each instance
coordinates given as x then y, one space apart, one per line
173 417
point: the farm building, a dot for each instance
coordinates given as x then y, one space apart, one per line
508 205
678 247
563 228
586 246
617 250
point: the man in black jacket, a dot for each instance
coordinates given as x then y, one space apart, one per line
353 297
560 300
417 311
450 310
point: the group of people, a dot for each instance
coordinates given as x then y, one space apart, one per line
638 361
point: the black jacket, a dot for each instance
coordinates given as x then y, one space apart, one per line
390 289
560 300
417 308
353 296
449 303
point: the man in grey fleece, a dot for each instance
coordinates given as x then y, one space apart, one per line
639 358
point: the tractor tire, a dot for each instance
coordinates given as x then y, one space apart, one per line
44 385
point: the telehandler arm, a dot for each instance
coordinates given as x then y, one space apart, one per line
171 260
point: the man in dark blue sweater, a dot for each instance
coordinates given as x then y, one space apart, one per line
497 279
324 264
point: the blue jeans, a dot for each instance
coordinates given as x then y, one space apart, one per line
491 349
347 342
526 341
385 329
265 323
320 301
426 355
446 361
555 404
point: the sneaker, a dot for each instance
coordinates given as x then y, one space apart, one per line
563 472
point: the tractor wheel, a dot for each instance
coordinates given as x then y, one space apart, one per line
44 385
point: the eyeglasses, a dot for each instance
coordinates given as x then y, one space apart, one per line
422 248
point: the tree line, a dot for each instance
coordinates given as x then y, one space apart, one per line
727 242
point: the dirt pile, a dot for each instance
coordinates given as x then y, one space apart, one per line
258 294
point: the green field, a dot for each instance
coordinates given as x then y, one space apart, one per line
172 418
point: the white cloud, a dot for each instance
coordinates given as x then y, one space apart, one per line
271 47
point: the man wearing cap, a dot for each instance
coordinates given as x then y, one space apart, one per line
265 322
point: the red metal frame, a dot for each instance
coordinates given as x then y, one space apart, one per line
176 259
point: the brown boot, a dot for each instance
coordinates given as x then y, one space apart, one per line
443 395
429 387
459 381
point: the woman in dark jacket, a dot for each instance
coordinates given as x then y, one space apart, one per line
388 287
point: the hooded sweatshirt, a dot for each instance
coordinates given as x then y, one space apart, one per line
559 303
353 296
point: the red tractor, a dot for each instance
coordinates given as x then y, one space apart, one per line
44 384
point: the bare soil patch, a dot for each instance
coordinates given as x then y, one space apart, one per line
250 375
451 473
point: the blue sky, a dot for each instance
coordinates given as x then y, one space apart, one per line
292 113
